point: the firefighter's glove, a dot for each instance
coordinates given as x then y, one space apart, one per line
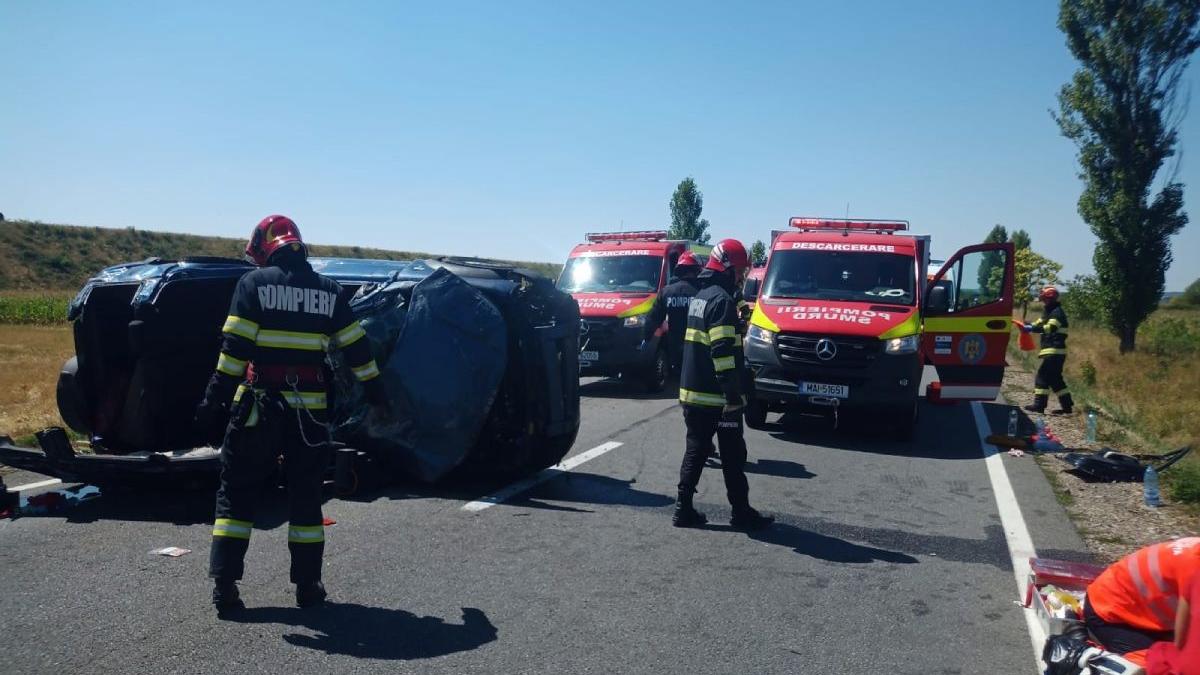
210 422
1026 328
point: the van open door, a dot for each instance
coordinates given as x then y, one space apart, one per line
968 317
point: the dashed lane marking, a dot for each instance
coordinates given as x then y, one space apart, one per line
33 486
1016 533
541 477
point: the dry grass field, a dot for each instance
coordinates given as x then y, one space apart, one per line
30 358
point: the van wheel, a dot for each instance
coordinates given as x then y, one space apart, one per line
756 414
72 405
656 376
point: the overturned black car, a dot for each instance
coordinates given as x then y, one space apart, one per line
480 361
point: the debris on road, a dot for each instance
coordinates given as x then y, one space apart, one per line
171 551
1106 464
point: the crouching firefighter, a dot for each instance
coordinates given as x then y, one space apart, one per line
271 383
1053 353
672 305
710 389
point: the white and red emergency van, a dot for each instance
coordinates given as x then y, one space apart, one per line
615 278
848 315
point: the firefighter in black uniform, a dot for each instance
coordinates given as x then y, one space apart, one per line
1053 353
672 305
711 392
271 385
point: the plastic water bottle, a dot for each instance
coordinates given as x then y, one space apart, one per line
1013 421
1150 487
1091 426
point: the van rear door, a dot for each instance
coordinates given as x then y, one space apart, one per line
968 321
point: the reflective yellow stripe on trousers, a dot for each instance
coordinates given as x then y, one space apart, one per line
306 534
234 529
701 398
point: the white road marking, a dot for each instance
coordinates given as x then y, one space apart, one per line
541 477
1020 545
33 486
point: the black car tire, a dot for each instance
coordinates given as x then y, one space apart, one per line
72 405
756 413
656 376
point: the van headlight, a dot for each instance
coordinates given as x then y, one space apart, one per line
902 345
760 335
635 321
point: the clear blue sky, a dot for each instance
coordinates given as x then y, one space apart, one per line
510 129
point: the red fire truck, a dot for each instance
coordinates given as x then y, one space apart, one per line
848 315
615 277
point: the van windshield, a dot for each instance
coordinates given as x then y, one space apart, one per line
611 274
849 277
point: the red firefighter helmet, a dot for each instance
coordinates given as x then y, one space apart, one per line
726 254
1048 294
271 234
687 259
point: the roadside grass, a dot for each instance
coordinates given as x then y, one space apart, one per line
1147 400
39 308
30 359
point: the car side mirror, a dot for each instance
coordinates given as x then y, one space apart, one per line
938 301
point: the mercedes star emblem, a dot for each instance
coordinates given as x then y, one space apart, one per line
826 349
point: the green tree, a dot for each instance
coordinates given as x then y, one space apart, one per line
992 260
1031 272
1083 300
1191 295
1121 111
758 252
1020 239
686 206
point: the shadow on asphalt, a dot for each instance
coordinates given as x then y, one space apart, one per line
622 389
590 488
824 547
943 432
780 468
375 632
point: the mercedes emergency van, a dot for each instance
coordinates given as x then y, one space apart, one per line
615 277
849 313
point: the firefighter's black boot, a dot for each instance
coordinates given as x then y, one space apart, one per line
310 594
686 515
749 520
1067 405
1039 404
225 597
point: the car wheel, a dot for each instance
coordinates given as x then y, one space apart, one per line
756 414
656 377
72 405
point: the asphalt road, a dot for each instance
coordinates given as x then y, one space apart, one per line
886 557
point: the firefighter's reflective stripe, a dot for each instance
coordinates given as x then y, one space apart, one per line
313 400
737 341
723 363
696 335
721 333
1041 391
306 534
366 372
1053 326
348 335
310 400
231 366
234 529
701 398
286 339
1052 351
238 326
